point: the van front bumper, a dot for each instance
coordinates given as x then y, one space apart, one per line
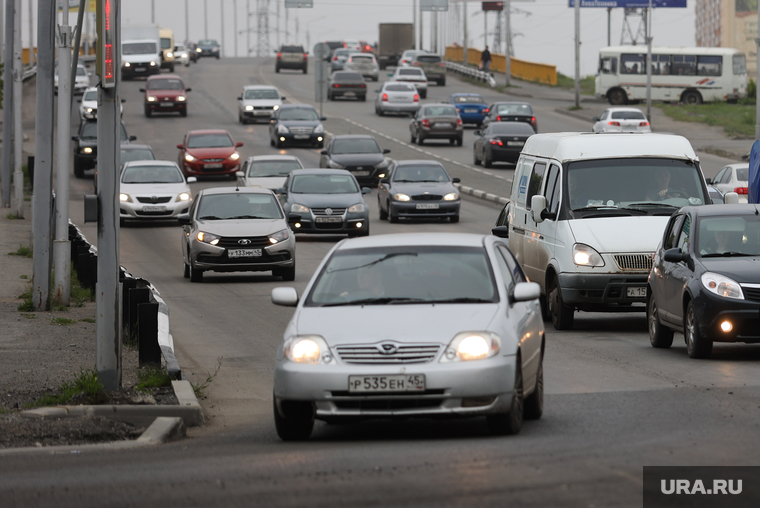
597 292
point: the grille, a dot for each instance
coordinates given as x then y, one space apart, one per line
634 262
301 130
155 200
212 160
167 213
328 225
231 242
751 293
335 211
427 197
268 108
370 354
224 260
381 405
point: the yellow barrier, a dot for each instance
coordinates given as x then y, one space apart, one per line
25 54
520 69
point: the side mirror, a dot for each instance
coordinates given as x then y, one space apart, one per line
294 217
674 255
239 143
386 150
181 147
184 219
272 119
526 291
595 119
287 297
80 102
708 181
239 174
74 138
323 152
283 98
191 179
385 180
123 100
132 138
142 89
282 190
500 231
537 205
322 118
188 89
731 198
366 190
456 180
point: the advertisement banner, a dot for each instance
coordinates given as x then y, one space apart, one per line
630 4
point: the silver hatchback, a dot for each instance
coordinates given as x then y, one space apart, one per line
395 97
363 63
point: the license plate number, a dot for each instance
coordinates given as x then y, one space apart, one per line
154 208
397 383
515 143
639 292
470 110
361 173
329 219
213 166
167 104
139 70
244 253
427 206
441 125
349 94
300 136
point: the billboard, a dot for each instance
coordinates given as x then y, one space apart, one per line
493 6
630 4
434 5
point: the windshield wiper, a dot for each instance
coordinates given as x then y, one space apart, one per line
728 254
247 217
461 300
376 301
655 205
209 217
379 260
597 207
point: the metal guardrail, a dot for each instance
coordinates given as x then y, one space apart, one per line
466 70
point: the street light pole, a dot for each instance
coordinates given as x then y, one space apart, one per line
577 53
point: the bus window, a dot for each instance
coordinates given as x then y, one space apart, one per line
684 65
661 64
710 65
633 64
740 64
608 65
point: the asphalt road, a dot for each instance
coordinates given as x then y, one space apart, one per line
613 403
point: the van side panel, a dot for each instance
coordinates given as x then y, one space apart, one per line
518 214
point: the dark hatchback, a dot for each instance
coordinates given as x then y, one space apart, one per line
208 47
436 121
296 124
347 84
511 112
418 189
500 142
705 280
86 150
358 154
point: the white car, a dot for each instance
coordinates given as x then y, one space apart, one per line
411 325
352 44
407 56
88 104
413 75
81 81
733 178
258 102
267 171
363 63
182 54
621 120
155 190
394 97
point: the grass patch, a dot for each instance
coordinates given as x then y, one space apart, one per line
12 216
78 295
88 320
27 315
737 120
25 277
26 305
86 383
199 388
152 377
62 321
587 83
22 251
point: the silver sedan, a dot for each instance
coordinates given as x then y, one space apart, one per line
411 325
150 189
399 98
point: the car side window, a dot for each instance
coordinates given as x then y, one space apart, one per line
514 266
503 219
552 189
720 175
684 237
604 116
506 272
727 176
535 181
672 234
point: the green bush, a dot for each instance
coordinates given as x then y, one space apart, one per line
86 384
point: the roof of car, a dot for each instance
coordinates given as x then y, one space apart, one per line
402 239
152 163
297 106
738 165
274 157
164 76
353 136
319 171
623 108
723 210
418 162
465 94
209 131
259 87
569 146
133 146
233 190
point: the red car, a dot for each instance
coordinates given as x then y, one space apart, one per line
165 93
209 152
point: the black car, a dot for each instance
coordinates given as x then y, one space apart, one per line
129 152
511 112
347 84
705 280
418 189
500 142
292 57
208 47
296 124
436 121
358 154
86 150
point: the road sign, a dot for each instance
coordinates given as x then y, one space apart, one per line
434 5
321 50
299 4
630 4
105 65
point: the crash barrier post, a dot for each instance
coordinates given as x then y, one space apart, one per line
136 296
149 352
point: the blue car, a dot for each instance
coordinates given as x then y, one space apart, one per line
471 107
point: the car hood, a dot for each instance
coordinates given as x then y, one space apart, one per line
262 102
414 323
326 200
217 152
414 188
357 159
739 269
153 189
267 182
620 234
299 123
243 227
165 93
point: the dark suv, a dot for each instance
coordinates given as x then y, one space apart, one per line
292 57
86 151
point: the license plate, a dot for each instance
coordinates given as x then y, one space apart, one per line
470 110
361 173
349 94
427 206
300 136
244 253
397 383
515 143
167 104
639 292
442 125
154 208
329 219
213 166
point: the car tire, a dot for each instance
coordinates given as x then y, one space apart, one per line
148 112
442 82
487 162
562 315
617 97
380 112
452 141
196 275
419 139
393 219
459 141
187 271
382 214
508 424
276 69
660 336
413 139
475 159
183 112
305 70
691 97
241 119
78 171
533 406
697 345
288 274
454 219
363 98
423 94
271 142
297 422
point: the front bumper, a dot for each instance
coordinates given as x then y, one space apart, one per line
167 106
348 225
296 139
212 258
257 112
602 291
409 209
139 69
86 161
451 389
153 211
200 169
744 316
209 52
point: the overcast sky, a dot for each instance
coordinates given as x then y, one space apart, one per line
544 29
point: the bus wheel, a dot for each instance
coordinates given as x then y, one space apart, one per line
691 97
617 97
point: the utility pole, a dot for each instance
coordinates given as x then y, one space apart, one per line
31 33
508 44
577 53
422 21
187 22
414 24
464 42
648 16
18 133
221 31
8 105
205 19
153 11
757 79
235 17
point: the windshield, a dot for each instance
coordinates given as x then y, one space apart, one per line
261 94
633 185
81 71
272 168
165 84
166 43
362 59
470 99
400 88
422 173
409 72
324 184
514 109
742 174
138 48
403 275
141 154
628 115
92 95
209 141
440 111
512 128
238 206
90 131
151 174
207 42
299 114
341 146
729 236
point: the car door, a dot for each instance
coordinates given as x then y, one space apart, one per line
716 180
518 214
677 274
324 157
543 246
660 267
384 189
413 123
479 145
533 250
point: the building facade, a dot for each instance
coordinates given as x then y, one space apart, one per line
728 24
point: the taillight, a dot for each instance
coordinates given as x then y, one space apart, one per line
385 97
416 98
614 124
533 121
335 58
643 124
426 122
497 142
498 118
305 56
459 122
441 64
336 85
485 111
279 55
362 86
417 64
741 190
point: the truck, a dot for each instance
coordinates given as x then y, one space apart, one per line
393 40
167 48
140 51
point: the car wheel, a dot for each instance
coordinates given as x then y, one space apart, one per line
382 214
241 119
196 275
183 112
413 139
475 159
452 141
691 97
393 219
271 142
277 143
442 82
288 274
148 112
617 97
697 345
276 69
78 171
459 141
419 139
487 162
534 403
423 94
562 314
507 424
297 421
454 219
363 98
187 271
660 336
305 70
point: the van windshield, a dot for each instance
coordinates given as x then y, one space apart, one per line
632 186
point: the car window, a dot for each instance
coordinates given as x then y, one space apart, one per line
409 72
399 88
514 109
628 115
81 71
535 182
138 48
324 184
302 114
165 84
89 130
92 95
428 58
742 174
292 49
207 42
506 273
503 218
440 111
209 141
727 175
552 189
604 115
151 174
272 168
739 234
362 58
469 99
347 76
685 235
341 146
720 175
421 173
240 205
141 154
261 94
672 234
514 266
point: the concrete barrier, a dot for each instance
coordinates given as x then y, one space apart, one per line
520 69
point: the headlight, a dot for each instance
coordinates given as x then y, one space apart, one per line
583 255
249 108
198 50
281 129
335 165
319 129
207 238
151 98
169 54
127 64
88 110
275 107
472 346
278 237
183 197
125 198
401 197
87 149
722 285
296 208
357 208
451 196
153 64
235 156
184 55
190 158
307 349
181 98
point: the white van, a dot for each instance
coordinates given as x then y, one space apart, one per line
587 211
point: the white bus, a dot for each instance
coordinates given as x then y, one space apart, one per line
689 75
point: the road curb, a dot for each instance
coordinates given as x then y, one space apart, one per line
573 114
482 194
